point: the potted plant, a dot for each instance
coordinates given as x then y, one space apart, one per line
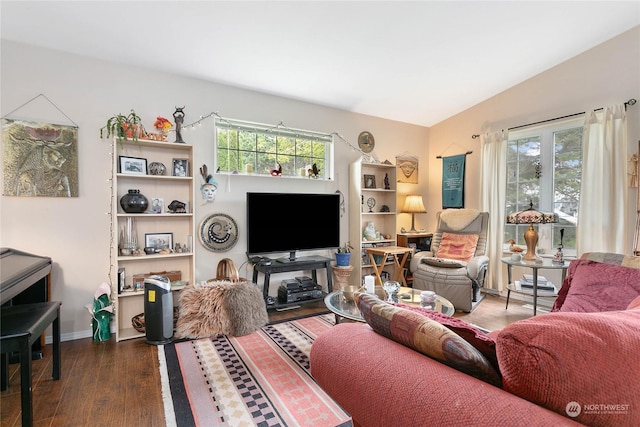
122 126
343 255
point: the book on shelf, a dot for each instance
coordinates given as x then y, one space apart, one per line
543 283
529 279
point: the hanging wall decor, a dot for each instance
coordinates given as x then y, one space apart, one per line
40 159
218 232
407 169
453 168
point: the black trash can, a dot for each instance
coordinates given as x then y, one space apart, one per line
158 310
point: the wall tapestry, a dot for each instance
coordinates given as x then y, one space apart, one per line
40 159
453 181
407 169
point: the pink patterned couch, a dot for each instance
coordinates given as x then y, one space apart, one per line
579 364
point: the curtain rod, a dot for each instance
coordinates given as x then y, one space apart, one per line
632 101
466 154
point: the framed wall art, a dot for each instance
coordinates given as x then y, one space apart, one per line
157 205
369 181
158 240
180 167
39 159
132 165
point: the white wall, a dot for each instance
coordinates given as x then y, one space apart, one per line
605 75
75 232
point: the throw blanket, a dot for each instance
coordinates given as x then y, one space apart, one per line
258 379
457 219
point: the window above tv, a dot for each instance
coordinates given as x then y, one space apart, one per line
256 149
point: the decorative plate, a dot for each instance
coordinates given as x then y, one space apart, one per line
218 232
366 142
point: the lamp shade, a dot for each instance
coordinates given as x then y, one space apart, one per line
413 204
531 216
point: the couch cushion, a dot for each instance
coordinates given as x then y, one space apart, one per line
457 246
593 286
576 360
484 343
634 304
426 336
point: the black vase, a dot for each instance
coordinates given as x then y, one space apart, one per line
134 202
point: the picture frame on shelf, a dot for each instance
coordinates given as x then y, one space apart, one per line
157 205
158 240
180 167
132 165
369 181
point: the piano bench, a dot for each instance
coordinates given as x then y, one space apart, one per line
21 325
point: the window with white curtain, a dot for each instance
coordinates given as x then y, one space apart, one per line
257 149
544 167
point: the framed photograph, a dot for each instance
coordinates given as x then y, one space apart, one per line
180 167
133 165
369 181
158 240
157 205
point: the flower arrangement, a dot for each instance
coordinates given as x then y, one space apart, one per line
162 124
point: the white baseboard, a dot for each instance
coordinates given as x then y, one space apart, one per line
71 336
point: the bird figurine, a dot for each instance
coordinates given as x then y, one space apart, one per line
513 247
313 171
277 172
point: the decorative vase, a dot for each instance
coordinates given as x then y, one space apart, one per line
157 168
134 202
343 259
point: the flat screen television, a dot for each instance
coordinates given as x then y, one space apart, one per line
292 222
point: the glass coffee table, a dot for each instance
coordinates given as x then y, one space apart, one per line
342 308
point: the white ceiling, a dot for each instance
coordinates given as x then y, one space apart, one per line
416 62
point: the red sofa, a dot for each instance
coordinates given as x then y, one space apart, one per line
578 364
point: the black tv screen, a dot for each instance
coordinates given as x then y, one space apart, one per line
290 222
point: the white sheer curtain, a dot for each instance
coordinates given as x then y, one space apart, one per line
603 191
492 200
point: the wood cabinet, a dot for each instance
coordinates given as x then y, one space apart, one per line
417 241
371 203
180 226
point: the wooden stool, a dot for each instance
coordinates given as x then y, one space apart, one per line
21 326
341 274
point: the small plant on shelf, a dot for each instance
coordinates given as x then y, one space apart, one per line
343 255
121 126
345 249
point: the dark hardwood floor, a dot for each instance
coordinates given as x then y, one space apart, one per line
118 384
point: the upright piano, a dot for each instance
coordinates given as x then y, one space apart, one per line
24 278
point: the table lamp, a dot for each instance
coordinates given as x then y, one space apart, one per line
413 204
531 216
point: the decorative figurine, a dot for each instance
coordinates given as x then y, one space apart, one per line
386 182
276 172
178 116
313 171
559 257
177 207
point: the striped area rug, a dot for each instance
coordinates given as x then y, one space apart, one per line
261 379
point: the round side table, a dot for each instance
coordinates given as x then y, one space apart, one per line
341 276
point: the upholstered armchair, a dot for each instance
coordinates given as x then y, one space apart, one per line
456 265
